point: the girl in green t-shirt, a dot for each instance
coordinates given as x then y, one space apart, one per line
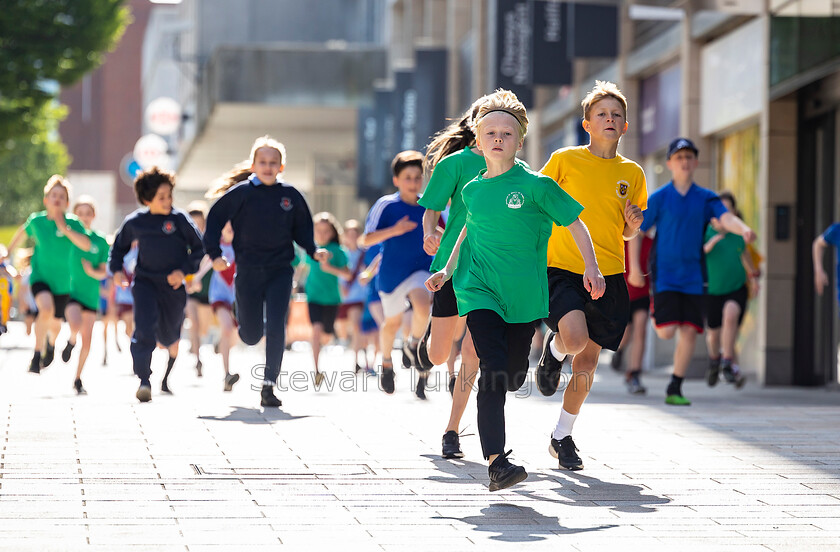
501 282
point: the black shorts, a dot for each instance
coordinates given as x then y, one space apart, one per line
674 307
60 301
84 307
324 315
715 303
642 303
444 304
606 318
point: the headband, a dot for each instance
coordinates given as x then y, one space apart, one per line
501 111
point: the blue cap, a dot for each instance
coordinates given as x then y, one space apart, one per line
681 144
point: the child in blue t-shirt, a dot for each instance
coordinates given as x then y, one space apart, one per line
680 211
831 236
396 221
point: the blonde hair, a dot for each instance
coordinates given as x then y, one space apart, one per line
506 101
241 171
85 200
57 180
457 136
602 90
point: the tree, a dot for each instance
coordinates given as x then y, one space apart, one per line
27 163
45 44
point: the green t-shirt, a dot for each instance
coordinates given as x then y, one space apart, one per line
509 220
724 269
83 288
322 287
51 256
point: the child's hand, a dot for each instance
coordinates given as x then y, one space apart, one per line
175 279
436 280
404 225
636 279
194 285
322 255
365 276
220 264
820 281
749 235
120 280
633 215
593 282
431 242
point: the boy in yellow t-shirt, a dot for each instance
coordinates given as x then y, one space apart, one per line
613 193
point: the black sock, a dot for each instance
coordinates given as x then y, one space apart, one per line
169 366
675 386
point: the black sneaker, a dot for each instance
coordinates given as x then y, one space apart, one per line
386 380
420 391
713 372
68 350
548 368
732 375
49 355
452 380
566 452
409 355
35 363
230 379
164 387
77 385
424 364
144 392
503 474
452 445
268 398
615 361
198 367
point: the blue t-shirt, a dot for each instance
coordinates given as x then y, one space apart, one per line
676 259
401 255
832 236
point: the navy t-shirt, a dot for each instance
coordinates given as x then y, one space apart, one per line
832 236
401 255
677 255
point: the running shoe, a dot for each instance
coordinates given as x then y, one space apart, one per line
548 368
144 393
732 374
319 379
503 474
634 384
677 400
420 390
713 372
49 355
424 364
452 445
268 398
68 350
230 379
566 452
164 387
198 367
35 364
386 380
409 355
77 385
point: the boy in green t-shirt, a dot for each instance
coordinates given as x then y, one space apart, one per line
55 234
500 283
87 269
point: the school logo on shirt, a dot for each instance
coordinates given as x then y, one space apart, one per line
515 200
286 204
621 188
93 250
168 227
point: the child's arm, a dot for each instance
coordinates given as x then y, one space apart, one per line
633 219
121 246
732 223
98 273
370 270
378 236
431 232
436 280
79 239
593 280
820 276
635 274
713 241
17 238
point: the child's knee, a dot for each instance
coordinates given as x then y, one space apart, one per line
665 332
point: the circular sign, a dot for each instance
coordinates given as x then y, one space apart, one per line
129 169
150 150
163 116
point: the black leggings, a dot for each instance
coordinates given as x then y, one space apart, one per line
502 350
262 300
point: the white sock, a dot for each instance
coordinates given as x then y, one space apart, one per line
268 383
564 425
557 354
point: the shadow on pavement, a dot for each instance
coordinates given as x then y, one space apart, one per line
254 416
516 523
582 490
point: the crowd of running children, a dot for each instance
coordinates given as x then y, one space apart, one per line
474 265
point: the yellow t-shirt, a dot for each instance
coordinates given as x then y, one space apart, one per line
602 186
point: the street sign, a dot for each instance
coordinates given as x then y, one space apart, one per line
163 116
150 150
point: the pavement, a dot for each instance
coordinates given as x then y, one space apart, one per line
351 468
